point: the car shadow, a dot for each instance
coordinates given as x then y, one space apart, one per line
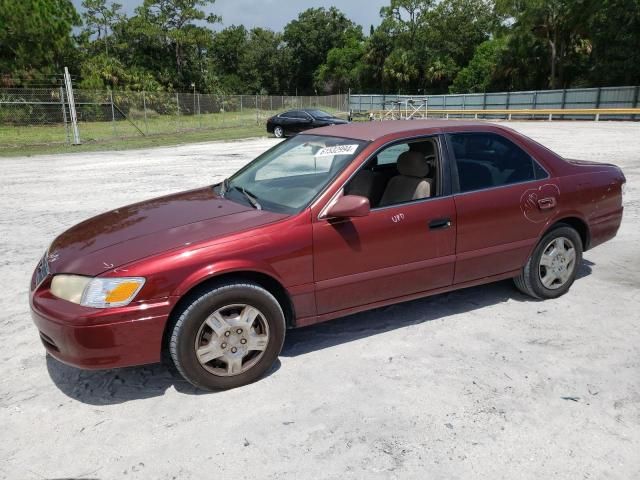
109 387
354 327
120 385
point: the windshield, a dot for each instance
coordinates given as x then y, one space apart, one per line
288 177
319 114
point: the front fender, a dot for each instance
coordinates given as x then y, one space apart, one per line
220 268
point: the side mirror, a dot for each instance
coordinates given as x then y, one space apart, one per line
350 206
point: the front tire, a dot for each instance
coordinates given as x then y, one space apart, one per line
278 132
227 337
552 268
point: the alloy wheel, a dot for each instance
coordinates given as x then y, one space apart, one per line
232 339
557 263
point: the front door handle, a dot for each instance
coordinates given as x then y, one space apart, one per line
438 223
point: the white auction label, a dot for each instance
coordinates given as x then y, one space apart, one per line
337 150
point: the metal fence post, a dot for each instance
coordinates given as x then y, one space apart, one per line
177 113
64 116
144 107
199 114
484 102
113 113
257 112
507 104
598 102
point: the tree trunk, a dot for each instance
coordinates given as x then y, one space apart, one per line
552 44
178 57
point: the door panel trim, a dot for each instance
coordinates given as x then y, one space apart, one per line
386 271
502 247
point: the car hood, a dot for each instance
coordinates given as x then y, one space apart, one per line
136 231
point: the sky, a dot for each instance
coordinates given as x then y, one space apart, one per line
275 14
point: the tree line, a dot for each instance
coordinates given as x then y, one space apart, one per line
420 46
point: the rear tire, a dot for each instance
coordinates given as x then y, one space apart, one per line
227 337
553 265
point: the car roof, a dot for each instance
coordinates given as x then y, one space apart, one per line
376 129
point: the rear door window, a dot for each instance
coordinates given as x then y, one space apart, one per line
487 160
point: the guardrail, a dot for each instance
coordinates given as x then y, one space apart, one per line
406 114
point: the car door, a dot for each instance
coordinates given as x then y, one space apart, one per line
501 196
288 121
304 121
396 250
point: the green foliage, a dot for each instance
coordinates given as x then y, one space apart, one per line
480 73
35 38
99 20
614 37
343 68
310 38
420 46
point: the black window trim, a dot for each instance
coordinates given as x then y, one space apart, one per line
453 165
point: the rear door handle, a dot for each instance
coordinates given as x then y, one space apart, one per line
439 223
547 203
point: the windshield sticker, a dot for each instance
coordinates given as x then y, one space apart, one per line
337 150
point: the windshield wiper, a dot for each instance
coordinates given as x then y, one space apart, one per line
253 200
224 187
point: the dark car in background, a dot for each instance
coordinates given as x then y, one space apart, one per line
295 121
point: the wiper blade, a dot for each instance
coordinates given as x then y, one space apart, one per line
224 188
253 200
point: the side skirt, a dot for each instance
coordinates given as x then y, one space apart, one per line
311 320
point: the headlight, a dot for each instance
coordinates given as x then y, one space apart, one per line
96 292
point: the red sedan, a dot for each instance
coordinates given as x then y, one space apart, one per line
325 224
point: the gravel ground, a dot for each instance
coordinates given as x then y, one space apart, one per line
479 383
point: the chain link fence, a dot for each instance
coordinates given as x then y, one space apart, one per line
42 116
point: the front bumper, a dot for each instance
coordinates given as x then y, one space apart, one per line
94 339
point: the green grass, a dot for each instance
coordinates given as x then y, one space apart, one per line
159 130
126 143
120 135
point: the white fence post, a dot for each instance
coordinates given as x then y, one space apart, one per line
72 107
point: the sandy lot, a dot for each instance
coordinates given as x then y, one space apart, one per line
480 383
